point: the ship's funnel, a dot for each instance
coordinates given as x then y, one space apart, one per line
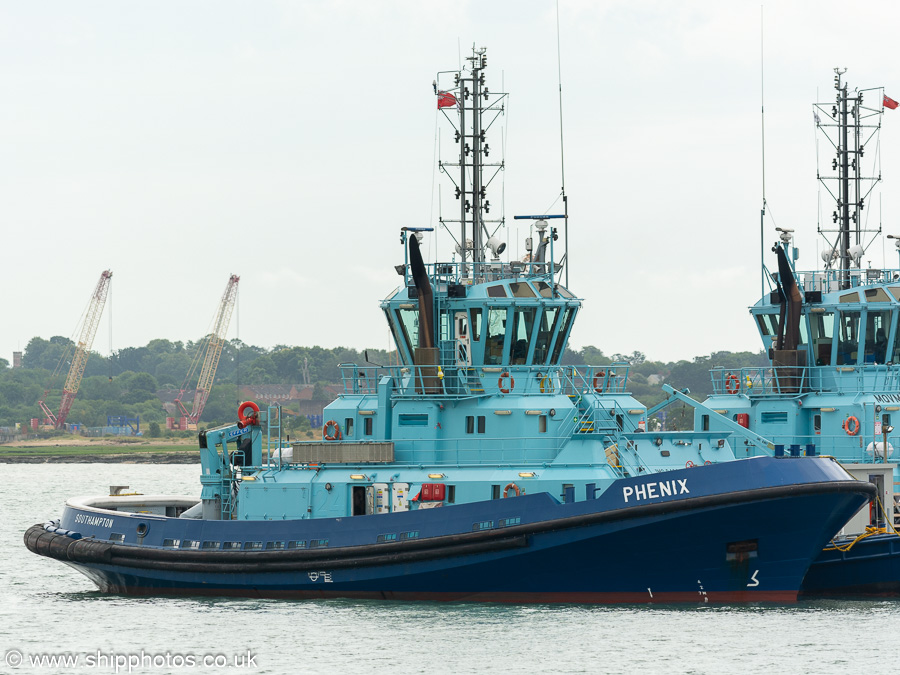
788 361
426 300
425 358
789 331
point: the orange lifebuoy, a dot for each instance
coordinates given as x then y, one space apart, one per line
689 465
732 384
248 412
511 486
851 421
510 387
599 379
331 431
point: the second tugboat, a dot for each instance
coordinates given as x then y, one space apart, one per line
833 386
479 468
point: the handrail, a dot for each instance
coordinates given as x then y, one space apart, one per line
781 380
829 281
467 272
468 381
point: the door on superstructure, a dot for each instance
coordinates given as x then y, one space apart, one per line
463 343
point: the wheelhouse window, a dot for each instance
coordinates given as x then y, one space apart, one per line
768 324
546 325
821 330
476 323
567 317
496 333
544 289
409 323
878 330
520 289
397 333
848 337
768 328
520 339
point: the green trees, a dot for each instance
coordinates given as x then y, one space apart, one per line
131 380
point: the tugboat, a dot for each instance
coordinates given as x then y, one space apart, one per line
833 386
478 468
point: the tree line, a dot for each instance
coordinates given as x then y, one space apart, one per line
127 382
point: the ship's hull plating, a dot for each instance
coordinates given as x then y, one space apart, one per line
738 545
869 568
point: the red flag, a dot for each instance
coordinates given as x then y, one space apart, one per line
446 99
889 102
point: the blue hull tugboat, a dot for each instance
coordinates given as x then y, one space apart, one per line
476 469
833 386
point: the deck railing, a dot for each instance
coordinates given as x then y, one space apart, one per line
472 381
791 380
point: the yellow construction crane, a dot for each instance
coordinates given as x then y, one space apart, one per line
82 351
210 351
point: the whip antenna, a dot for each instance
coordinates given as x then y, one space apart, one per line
562 154
762 107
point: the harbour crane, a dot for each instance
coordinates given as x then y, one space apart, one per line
82 351
210 350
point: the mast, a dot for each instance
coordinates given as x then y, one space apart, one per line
478 108
844 161
849 133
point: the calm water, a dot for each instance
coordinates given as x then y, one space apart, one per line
47 608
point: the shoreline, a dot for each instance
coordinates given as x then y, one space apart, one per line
177 457
90 451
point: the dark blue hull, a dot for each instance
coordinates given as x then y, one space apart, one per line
870 568
711 544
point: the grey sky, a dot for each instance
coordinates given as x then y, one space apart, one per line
287 142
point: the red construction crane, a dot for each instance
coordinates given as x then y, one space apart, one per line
82 351
210 350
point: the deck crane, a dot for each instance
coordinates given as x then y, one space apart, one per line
82 351
210 349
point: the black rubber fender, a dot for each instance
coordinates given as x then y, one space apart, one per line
89 551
